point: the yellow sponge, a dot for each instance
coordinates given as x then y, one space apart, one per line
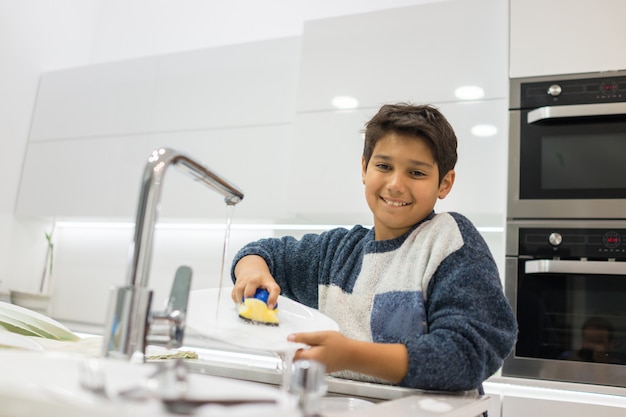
256 310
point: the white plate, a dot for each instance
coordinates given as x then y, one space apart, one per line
222 322
40 324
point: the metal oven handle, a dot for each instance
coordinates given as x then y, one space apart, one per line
547 266
577 110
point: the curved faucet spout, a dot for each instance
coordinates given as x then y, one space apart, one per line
130 313
148 206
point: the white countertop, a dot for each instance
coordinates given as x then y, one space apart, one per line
46 384
422 405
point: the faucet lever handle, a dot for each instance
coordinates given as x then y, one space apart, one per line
167 328
179 295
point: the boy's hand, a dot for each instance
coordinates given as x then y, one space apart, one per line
252 273
388 361
328 347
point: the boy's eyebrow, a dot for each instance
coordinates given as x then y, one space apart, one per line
412 162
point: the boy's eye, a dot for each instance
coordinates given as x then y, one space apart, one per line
417 173
383 167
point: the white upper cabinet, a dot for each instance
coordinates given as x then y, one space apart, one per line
95 101
96 177
419 54
240 85
415 54
325 168
253 158
325 175
94 127
564 37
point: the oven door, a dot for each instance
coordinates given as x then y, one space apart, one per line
568 162
572 320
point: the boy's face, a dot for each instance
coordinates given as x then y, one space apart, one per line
402 184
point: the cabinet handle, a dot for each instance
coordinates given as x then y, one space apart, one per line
578 110
550 266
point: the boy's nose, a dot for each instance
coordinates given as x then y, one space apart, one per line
395 182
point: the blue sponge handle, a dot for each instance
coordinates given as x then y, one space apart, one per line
261 294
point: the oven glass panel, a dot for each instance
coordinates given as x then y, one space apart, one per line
568 162
572 317
573 159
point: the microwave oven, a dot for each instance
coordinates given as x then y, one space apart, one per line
567 147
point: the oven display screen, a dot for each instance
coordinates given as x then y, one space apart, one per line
583 162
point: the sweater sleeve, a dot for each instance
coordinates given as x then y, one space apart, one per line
471 326
297 265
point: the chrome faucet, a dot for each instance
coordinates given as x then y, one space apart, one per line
130 324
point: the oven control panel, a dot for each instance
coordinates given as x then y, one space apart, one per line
573 91
573 243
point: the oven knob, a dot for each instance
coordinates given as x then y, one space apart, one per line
555 239
554 90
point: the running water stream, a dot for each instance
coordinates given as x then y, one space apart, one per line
285 356
230 210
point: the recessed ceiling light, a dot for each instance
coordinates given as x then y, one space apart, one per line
469 92
345 102
484 130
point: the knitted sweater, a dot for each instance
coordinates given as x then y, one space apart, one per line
435 289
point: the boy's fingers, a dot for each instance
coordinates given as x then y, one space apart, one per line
312 338
272 299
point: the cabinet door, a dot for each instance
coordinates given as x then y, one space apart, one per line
554 37
420 54
95 101
324 184
251 84
97 177
325 175
252 158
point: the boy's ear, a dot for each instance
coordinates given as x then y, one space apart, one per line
363 169
446 184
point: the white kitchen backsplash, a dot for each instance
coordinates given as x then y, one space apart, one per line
91 258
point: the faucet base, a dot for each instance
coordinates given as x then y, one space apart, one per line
129 311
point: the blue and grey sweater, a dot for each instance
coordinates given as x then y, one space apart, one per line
435 289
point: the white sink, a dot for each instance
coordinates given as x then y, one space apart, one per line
34 384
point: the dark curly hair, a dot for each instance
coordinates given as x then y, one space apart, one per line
425 121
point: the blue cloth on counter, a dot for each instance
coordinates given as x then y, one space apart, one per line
436 289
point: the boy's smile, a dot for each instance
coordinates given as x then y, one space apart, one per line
402 183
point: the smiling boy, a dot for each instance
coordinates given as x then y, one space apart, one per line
417 298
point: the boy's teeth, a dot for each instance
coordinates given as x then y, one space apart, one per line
396 204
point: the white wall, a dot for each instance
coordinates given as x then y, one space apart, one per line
35 36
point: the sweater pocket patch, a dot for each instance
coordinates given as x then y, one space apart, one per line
398 316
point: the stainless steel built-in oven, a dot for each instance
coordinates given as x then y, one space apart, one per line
567 147
566 281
